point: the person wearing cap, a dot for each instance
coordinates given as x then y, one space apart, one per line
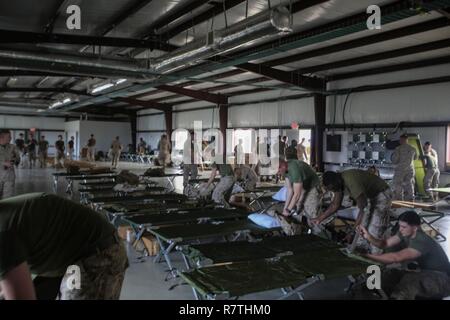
58 241
403 158
432 173
368 190
116 149
303 189
91 149
430 277
9 156
43 151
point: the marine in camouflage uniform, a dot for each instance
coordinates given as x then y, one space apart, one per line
9 156
49 234
430 278
403 157
222 191
308 204
373 196
432 173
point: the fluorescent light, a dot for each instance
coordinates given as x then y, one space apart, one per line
102 87
60 103
119 81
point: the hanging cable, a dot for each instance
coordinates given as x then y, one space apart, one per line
225 14
345 106
246 9
268 1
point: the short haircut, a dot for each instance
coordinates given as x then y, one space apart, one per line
60 136
411 218
428 143
333 181
4 131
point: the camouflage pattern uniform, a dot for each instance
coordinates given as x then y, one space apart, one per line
432 174
312 202
376 221
403 157
408 285
8 153
222 191
102 276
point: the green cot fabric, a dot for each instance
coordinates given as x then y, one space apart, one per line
266 248
184 217
159 197
206 230
242 278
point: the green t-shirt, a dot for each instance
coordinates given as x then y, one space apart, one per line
225 170
432 256
359 182
48 232
301 172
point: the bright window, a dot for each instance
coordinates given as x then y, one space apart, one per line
448 148
180 138
246 137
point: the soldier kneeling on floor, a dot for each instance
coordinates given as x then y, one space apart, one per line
431 278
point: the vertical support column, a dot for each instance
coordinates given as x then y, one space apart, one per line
133 122
168 116
223 125
320 103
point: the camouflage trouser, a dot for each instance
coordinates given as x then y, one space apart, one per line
91 154
376 220
431 181
311 203
32 158
115 158
59 159
189 169
102 276
408 285
222 191
6 188
43 159
404 184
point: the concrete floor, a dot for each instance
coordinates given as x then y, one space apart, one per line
144 279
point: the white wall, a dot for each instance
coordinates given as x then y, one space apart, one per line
281 113
151 122
23 122
105 132
416 104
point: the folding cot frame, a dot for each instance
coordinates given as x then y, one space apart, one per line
98 203
237 229
80 177
114 214
295 287
86 194
259 193
427 217
177 217
170 178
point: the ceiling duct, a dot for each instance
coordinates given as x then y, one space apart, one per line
74 64
255 28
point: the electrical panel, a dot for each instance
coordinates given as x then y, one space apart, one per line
368 148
